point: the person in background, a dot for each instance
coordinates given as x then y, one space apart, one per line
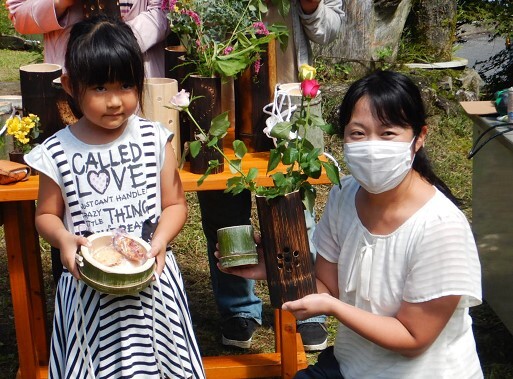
111 170
397 263
240 309
54 19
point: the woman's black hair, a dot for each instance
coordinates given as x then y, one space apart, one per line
394 100
103 50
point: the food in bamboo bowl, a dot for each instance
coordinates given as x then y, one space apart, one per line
116 263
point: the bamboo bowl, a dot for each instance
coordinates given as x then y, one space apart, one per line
114 280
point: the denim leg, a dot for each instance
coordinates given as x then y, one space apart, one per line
310 227
234 295
326 367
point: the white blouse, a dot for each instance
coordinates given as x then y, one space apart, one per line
432 254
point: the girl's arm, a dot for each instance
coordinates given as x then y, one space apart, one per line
410 332
174 208
49 213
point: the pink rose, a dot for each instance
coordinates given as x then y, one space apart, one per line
181 100
310 88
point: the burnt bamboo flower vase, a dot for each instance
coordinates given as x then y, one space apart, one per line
289 266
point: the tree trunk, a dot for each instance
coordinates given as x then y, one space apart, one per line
435 27
372 29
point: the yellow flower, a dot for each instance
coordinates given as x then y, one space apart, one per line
306 72
23 129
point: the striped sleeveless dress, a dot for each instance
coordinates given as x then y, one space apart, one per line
96 335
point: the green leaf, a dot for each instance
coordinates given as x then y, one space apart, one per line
332 172
195 147
309 195
274 160
313 168
212 142
290 156
282 130
239 148
279 179
235 185
235 165
231 67
316 120
219 125
329 129
252 174
204 176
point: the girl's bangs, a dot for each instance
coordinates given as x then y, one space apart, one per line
107 68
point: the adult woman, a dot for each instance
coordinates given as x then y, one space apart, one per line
397 264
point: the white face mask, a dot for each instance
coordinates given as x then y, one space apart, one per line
378 166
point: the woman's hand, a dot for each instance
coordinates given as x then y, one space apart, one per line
256 272
158 250
310 306
69 246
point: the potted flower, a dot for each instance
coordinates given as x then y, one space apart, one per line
23 131
281 206
221 38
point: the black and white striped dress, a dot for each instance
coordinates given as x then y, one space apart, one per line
95 335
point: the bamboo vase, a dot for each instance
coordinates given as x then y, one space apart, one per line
289 267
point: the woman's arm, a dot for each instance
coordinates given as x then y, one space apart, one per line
415 327
37 16
174 208
49 214
150 26
322 19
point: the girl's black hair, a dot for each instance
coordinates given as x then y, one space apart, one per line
394 100
103 50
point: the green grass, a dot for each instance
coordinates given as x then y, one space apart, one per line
10 61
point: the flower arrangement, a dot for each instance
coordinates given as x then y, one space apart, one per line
300 158
23 130
222 38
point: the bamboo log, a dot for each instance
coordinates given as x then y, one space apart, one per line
39 96
289 267
236 246
157 94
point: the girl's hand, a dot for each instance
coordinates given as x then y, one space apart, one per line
255 272
310 306
70 243
158 250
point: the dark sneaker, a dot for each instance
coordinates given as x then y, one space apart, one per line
238 332
314 335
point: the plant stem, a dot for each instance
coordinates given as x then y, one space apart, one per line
205 136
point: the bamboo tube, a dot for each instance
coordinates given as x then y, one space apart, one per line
237 246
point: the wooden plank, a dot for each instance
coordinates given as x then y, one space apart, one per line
289 364
20 292
35 277
244 366
27 190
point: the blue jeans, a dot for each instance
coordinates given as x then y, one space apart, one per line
326 367
234 295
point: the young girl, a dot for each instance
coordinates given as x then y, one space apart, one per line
397 264
113 169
